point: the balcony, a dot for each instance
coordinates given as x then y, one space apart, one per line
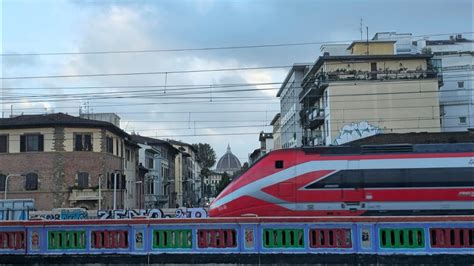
312 91
84 195
312 117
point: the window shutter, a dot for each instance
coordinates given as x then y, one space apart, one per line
78 144
22 143
2 182
40 142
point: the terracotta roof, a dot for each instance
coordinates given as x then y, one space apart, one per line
55 120
152 141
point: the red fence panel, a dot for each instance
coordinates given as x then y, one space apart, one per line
452 237
12 240
217 238
109 239
330 238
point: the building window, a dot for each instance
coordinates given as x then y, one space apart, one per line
461 84
33 142
149 163
3 144
109 145
128 156
110 180
83 180
462 120
31 181
2 182
83 142
117 147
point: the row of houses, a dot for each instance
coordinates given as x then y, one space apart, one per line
393 83
64 161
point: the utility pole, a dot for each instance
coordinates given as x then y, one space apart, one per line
360 29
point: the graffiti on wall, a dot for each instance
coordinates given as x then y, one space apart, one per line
61 214
355 131
128 214
191 213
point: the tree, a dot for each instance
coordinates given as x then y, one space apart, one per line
205 156
242 170
225 180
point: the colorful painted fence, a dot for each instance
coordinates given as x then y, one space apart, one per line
382 235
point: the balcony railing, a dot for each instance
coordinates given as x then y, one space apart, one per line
313 90
84 195
156 198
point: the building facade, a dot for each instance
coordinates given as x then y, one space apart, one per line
290 126
455 60
368 92
161 180
276 131
188 178
63 161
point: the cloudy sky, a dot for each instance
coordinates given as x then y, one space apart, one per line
186 111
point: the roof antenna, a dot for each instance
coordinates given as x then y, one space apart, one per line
360 28
367 40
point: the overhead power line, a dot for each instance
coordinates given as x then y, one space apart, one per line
148 73
234 47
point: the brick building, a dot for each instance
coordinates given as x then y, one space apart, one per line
62 158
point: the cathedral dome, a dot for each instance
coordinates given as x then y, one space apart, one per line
228 163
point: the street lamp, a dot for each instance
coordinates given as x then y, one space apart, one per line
6 183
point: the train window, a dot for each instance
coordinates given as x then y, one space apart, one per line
279 164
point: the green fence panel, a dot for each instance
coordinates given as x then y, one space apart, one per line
172 238
66 239
402 238
280 238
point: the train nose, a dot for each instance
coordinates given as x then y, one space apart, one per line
215 210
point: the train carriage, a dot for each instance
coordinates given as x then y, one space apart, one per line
420 179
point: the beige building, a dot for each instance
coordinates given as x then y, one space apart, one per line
370 91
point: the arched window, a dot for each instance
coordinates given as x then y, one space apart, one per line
31 181
2 182
82 180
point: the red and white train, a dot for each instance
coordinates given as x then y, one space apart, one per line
420 179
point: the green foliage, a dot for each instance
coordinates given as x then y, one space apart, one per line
225 181
242 170
426 50
206 156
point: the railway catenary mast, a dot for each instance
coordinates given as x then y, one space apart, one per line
419 179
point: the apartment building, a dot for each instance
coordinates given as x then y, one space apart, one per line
370 90
290 126
188 179
157 161
453 58
276 124
64 161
